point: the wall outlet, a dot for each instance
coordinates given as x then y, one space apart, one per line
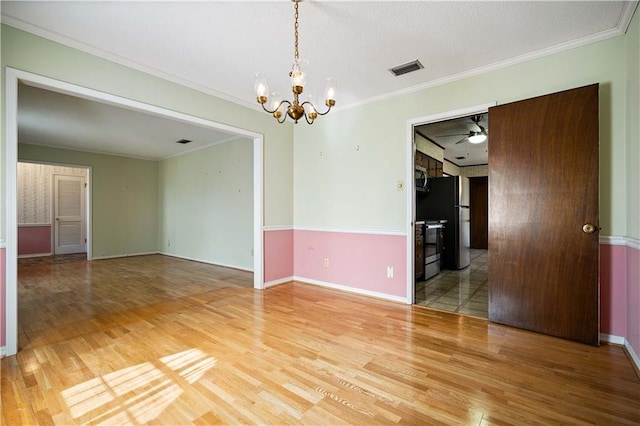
168 243
326 263
389 271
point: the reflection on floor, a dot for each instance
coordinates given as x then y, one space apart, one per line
463 291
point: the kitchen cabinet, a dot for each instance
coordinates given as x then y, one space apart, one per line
434 167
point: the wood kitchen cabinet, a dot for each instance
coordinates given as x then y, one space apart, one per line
434 167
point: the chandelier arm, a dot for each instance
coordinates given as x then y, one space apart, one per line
315 108
279 105
307 118
284 117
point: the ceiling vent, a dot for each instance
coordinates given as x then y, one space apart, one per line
460 158
184 141
406 68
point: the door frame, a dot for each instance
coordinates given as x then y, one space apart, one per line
56 204
411 192
12 78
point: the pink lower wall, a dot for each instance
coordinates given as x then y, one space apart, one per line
360 261
34 239
3 297
278 255
633 298
613 290
355 260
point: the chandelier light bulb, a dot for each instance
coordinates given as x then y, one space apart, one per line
330 92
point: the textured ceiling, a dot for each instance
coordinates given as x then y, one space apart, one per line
217 46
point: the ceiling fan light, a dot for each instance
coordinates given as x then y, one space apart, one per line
477 137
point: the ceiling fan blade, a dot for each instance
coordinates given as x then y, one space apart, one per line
448 136
462 140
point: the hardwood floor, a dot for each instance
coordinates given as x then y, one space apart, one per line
166 341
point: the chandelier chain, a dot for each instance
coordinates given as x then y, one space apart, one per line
295 32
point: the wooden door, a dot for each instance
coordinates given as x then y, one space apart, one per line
69 208
479 205
543 189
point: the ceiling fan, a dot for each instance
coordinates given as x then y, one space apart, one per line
473 136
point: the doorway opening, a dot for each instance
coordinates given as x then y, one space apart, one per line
53 210
15 78
449 271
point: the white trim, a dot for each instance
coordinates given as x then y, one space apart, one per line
410 186
278 282
88 150
610 338
119 256
12 78
3 351
348 289
612 241
2 243
11 210
632 354
83 47
33 225
28 256
632 242
394 232
623 24
620 241
620 29
208 262
268 228
200 148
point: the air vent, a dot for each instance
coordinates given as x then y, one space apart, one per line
406 68
460 158
184 141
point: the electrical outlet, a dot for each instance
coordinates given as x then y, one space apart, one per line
326 263
389 271
168 243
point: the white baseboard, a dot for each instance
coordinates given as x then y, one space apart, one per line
208 262
610 338
27 256
278 282
116 256
632 354
352 290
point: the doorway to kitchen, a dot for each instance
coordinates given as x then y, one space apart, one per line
449 211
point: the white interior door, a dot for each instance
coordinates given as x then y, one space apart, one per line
69 209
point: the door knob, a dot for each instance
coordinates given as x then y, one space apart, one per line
589 228
58 219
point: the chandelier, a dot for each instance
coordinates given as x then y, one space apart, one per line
276 106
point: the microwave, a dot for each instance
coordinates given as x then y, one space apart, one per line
421 178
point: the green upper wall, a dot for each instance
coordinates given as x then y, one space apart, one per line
347 165
27 52
633 127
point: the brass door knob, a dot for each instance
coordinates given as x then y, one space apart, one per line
589 228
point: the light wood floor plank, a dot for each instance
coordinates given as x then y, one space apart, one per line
159 340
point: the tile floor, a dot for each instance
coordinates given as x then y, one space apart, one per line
463 291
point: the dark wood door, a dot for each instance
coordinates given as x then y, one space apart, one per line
479 206
543 188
